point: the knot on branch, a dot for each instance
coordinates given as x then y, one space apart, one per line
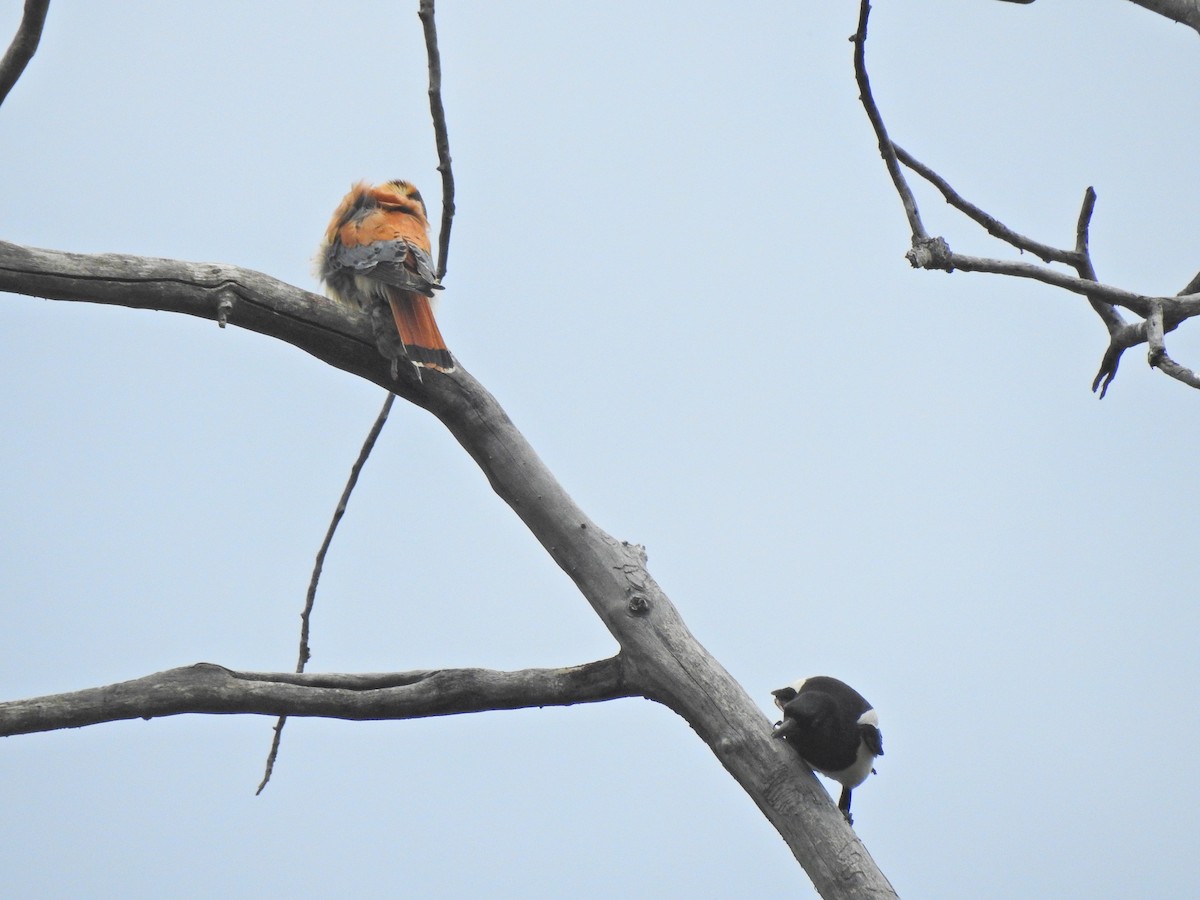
224 308
930 253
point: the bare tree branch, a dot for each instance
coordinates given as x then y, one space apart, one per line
1082 261
304 654
1157 351
930 256
660 655
1079 257
935 253
24 45
211 689
886 148
990 224
442 138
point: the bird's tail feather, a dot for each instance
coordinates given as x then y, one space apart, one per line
419 332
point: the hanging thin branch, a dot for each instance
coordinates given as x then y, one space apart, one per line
442 139
305 653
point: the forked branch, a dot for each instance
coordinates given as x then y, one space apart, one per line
934 252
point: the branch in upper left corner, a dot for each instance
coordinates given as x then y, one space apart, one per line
24 44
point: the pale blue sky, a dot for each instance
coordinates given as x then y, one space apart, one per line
678 263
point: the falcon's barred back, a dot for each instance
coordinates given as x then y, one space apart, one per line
376 256
833 728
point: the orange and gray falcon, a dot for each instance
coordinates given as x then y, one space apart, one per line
376 256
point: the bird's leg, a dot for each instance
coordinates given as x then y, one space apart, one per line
844 805
387 339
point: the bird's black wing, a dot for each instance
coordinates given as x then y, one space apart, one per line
872 737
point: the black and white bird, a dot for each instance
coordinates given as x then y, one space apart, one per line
833 728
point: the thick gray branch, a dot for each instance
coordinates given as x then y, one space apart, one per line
221 293
1186 12
208 688
659 654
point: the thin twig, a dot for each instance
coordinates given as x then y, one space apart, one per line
425 12
368 445
24 44
1192 286
305 652
886 149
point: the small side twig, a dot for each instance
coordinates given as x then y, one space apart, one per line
24 44
305 652
425 12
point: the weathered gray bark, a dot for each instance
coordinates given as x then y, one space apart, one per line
1186 12
208 688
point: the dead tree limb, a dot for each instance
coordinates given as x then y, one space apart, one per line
216 690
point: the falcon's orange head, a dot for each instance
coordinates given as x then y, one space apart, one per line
384 212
